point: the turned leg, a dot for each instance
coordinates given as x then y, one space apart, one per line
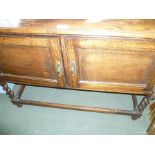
8 90
139 108
144 103
10 93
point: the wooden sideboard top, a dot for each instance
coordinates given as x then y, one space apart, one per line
136 28
108 55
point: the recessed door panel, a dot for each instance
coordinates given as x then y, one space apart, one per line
32 64
110 64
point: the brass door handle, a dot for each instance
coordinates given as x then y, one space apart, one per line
59 68
72 68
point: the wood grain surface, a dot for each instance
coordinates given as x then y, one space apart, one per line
107 55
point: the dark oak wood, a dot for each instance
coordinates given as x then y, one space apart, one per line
137 28
138 108
107 55
33 61
77 107
24 40
20 91
109 64
27 61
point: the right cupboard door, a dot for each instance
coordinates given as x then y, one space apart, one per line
109 64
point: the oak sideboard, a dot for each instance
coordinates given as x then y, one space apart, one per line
108 55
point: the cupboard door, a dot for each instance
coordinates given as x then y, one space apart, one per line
31 60
109 64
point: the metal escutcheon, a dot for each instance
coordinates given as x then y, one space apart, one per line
72 68
59 68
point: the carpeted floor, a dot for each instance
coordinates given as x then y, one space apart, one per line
40 120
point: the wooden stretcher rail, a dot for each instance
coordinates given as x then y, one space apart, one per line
18 101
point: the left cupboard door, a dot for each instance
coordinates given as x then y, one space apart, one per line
31 60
